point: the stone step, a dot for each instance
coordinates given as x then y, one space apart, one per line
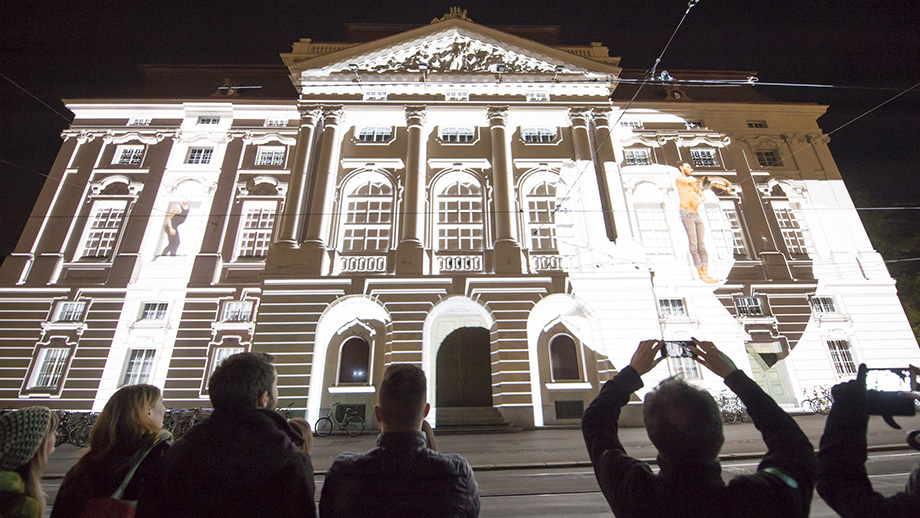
472 420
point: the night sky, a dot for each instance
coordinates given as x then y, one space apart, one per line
58 50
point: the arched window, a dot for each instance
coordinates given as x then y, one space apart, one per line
563 359
368 218
541 220
355 361
460 217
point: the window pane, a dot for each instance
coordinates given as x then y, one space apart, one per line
653 229
51 363
237 311
541 216
460 217
355 361
368 218
139 366
256 232
154 311
672 308
563 359
104 225
70 311
842 358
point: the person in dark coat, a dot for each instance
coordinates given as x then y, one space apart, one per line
242 461
842 479
685 425
131 423
401 477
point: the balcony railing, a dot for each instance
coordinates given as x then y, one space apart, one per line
460 263
363 263
544 262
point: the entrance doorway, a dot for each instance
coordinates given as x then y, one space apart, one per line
464 370
766 370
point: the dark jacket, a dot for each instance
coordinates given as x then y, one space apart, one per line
842 479
84 482
402 478
13 500
235 463
782 486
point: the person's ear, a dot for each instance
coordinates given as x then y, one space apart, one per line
377 413
262 401
427 409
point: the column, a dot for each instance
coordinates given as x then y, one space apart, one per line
324 183
292 215
507 250
410 254
608 173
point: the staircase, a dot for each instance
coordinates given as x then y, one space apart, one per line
470 420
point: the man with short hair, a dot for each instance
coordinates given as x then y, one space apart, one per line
244 460
690 191
685 425
401 477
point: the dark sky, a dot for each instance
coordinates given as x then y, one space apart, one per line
61 50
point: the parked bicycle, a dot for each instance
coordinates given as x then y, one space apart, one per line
78 435
182 420
733 410
817 400
352 423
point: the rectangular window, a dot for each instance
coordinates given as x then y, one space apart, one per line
653 229
749 306
631 124
129 155
686 367
375 95
671 308
704 157
69 311
270 155
237 311
457 134
793 233
693 124
154 311
274 123
257 224
375 134
823 304
208 120
757 124
637 156
842 357
536 96
139 121
538 135
102 231
199 155
221 354
140 363
457 95
727 236
769 158
50 367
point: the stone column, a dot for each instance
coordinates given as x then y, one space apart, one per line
410 254
315 242
608 173
507 250
292 215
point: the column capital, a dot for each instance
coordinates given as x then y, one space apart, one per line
603 117
580 115
416 115
333 115
310 114
498 115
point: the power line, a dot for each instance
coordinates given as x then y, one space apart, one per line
66 118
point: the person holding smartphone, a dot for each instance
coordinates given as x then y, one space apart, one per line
685 425
842 479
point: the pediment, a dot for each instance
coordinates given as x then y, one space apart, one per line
456 46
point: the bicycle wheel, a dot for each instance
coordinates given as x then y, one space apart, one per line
824 406
323 426
354 425
79 435
808 405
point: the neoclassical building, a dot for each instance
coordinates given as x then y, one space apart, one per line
486 203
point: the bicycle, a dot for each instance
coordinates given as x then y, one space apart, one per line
352 423
819 402
79 432
733 410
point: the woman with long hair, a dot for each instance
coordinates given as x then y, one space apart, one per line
26 441
131 423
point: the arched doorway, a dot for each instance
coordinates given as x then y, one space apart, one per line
464 369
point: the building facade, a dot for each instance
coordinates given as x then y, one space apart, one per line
500 211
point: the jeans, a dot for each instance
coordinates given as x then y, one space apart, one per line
693 224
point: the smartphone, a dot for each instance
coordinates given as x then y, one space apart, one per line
677 348
890 380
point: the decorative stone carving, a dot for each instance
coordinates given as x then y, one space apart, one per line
711 139
333 115
134 188
310 114
602 117
83 136
416 115
580 115
146 137
455 12
498 115
250 137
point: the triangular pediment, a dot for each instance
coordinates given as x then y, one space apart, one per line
455 46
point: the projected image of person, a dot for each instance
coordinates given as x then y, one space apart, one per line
177 216
690 190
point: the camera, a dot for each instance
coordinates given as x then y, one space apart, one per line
677 348
883 393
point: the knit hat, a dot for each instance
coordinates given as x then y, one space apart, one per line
21 434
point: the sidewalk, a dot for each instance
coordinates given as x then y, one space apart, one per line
554 447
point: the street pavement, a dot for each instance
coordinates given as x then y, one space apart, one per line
552 447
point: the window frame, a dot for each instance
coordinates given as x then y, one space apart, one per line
340 363
792 229
260 237
368 204
698 160
276 156
246 307
637 156
159 310
375 95
536 97
377 134
667 311
105 238
59 310
457 95
465 229
768 158
139 121
757 124
457 134
743 305
660 231
820 303
199 155
540 229
843 361
688 368
57 372
129 377
208 120
539 135
129 154
577 358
